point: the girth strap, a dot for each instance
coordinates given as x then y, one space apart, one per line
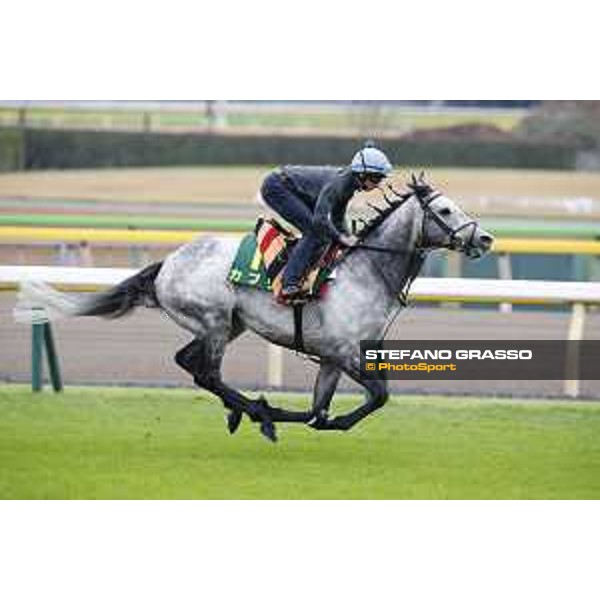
298 337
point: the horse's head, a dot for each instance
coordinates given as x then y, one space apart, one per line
446 225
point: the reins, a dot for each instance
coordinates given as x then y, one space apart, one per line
416 260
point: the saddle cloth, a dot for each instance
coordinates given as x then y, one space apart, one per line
263 254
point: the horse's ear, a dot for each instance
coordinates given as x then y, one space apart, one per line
400 196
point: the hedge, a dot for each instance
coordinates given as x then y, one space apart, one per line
60 149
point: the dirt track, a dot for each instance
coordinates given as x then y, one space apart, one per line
139 350
485 191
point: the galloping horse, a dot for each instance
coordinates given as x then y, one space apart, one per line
191 286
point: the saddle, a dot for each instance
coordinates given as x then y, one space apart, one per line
263 254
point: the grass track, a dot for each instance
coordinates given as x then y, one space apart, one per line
124 443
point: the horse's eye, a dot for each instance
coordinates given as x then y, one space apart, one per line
445 212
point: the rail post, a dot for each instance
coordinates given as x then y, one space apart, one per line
275 366
452 267
574 336
22 117
147 122
42 338
505 273
581 267
37 356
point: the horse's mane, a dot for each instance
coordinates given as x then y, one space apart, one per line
417 186
381 214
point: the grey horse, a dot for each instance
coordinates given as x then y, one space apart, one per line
191 286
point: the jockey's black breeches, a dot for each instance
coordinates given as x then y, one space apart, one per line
281 198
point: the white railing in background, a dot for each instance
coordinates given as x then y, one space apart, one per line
578 295
258 106
218 115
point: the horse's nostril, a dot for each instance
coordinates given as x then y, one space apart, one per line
486 239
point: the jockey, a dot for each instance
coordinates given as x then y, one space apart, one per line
314 200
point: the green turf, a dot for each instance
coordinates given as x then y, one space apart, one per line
124 443
497 225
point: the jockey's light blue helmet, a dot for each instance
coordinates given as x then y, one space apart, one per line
370 160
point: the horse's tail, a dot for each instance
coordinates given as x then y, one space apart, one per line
38 302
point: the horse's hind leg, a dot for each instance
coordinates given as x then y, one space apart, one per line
281 415
202 358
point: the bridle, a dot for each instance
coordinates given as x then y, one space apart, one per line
455 242
425 196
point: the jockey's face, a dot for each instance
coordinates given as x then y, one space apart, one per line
371 182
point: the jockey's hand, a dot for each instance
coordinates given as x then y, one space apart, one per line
348 240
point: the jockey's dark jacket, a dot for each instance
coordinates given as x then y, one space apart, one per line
326 191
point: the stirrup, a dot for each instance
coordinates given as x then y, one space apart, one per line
297 296
290 291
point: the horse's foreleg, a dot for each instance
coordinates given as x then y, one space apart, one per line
377 396
327 380
325 386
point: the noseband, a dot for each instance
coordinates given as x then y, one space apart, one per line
454 241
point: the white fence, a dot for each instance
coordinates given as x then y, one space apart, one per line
578 295
518 291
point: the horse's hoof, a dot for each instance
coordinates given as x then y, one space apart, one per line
268 430
319 422
339 424
234 418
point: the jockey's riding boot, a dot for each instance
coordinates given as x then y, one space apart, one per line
290 291
299 263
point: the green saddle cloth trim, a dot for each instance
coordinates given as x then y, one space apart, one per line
248 268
